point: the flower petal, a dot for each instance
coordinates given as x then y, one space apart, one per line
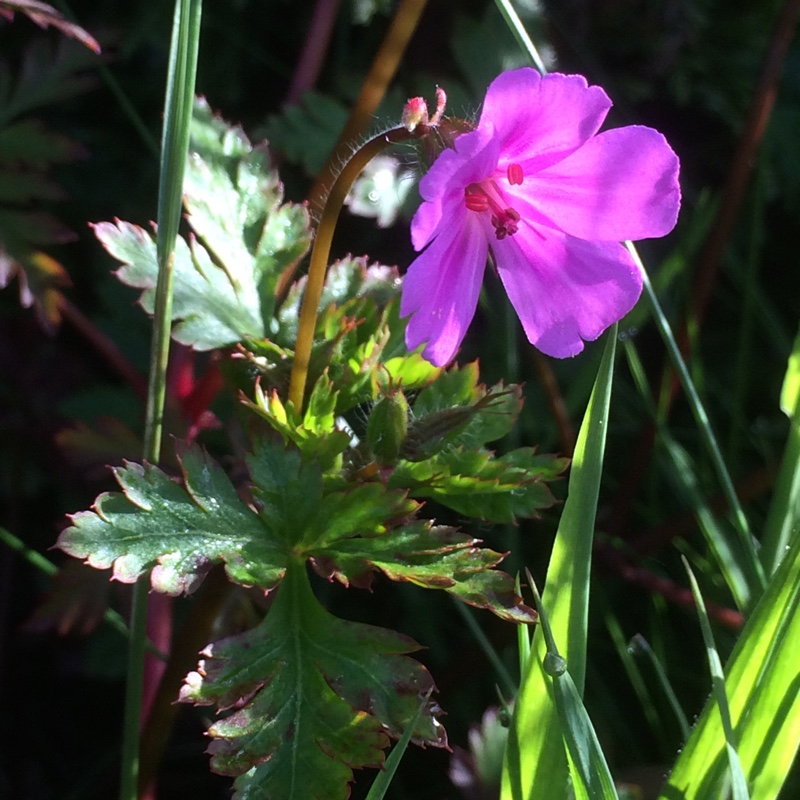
441 288
442 188
540 120
565 289
622 184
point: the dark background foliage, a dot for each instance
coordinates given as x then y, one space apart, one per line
689 68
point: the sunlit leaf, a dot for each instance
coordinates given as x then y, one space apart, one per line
314 698
224 287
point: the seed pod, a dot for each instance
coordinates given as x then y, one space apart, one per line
387 427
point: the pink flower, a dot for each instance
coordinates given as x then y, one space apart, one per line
551 199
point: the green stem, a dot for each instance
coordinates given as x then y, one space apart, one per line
174 147
321 251
518 29
751 566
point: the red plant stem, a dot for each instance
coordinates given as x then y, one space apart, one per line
381 73
614 561
744 161
708 270
314 50
195 634
555 399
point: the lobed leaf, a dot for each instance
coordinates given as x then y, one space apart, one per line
315 697
182 531
430 556
224 289
479 484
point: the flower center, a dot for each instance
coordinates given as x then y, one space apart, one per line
486 196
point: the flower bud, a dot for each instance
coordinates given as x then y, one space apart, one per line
387 427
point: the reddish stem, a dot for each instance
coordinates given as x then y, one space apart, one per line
314 50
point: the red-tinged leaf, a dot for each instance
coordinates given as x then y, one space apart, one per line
315 698
41 279
433 557
75 604
45 15
179 531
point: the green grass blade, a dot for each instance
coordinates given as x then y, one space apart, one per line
733 562
634 673
738 782
178 105
384 778
503 676
639 644
784 509
535 766
762 683
591 777
518 29
749 562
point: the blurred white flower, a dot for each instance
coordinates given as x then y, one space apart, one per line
380 190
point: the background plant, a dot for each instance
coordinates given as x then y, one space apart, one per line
678 72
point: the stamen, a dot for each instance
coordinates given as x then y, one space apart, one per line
486 196
515 174
505 223
476 201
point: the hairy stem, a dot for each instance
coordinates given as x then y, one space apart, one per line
321 251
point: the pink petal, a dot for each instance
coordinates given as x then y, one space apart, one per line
441 288
564 289
442 188
542 119
621 184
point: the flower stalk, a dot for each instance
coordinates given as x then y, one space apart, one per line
323 239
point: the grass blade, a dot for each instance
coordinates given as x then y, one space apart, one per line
762 683
178 106
733 562
738 782
535 765
384 778
591 777
749 561
784 510
639 644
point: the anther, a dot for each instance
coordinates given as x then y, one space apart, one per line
515 174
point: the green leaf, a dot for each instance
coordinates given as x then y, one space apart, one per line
478 484
346 280
315 697
764 699
433 557
306 133
225 288
535 765
180 530
591 777
316 434
183 531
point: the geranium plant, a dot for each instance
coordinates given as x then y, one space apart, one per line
360 451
